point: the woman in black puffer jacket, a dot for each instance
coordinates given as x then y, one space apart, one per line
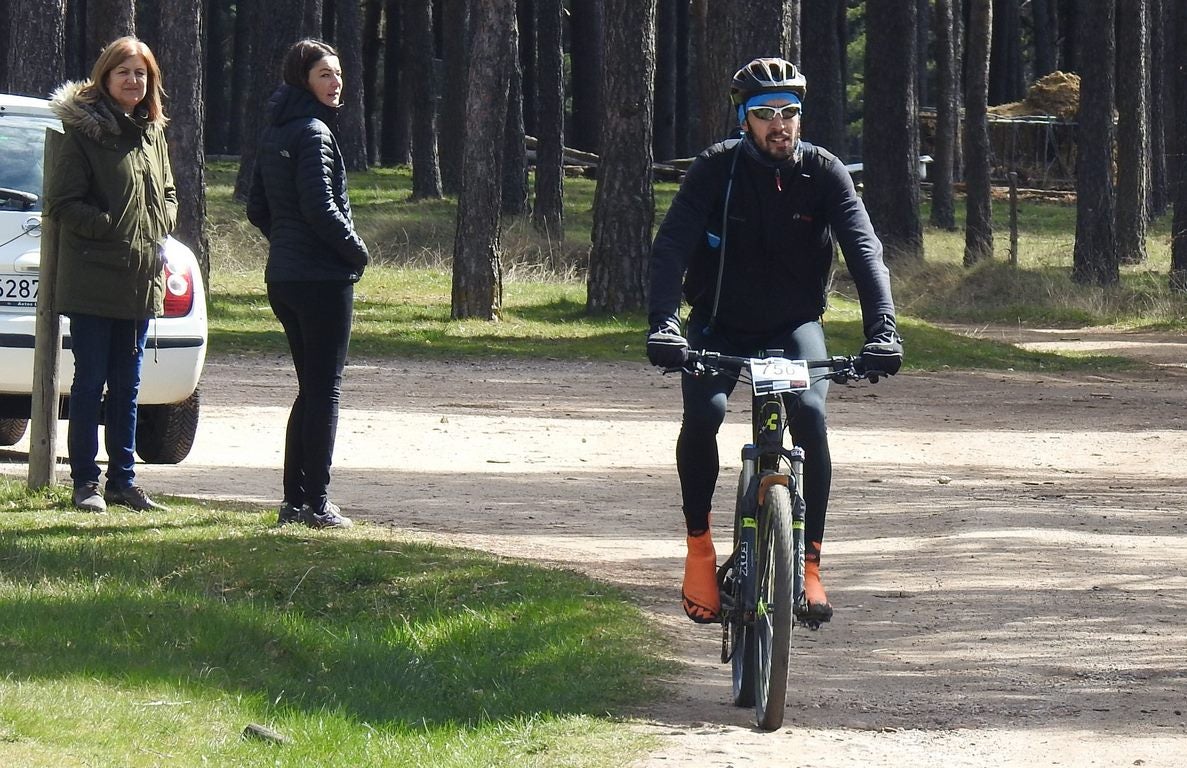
315 256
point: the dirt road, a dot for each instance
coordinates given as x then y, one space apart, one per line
1005 552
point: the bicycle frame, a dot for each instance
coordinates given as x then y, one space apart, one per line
766 461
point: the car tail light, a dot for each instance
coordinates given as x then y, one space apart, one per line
179 291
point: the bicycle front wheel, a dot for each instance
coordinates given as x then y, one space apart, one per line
740 638
773 620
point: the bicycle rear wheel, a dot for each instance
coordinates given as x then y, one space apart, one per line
740 638
773 621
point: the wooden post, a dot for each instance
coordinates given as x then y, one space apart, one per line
43 418
1013 219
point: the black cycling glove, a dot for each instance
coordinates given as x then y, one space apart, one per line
883 350
666 347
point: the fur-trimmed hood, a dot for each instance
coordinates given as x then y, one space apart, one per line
97 119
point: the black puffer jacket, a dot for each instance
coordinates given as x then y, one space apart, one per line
298 194
782 221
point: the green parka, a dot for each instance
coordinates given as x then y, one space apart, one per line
110 192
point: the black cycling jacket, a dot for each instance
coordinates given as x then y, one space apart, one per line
779 234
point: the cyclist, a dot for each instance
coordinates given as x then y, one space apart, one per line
748 241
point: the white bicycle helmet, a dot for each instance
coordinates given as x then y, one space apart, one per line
767 75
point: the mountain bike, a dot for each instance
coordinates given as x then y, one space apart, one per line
762 581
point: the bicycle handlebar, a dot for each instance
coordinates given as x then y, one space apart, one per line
841 368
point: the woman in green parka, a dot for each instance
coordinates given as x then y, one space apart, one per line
111 194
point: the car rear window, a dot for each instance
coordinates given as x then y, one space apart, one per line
22 145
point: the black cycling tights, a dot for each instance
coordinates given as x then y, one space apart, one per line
704 411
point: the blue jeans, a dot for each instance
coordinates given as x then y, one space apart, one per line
107 352
704 412
316 317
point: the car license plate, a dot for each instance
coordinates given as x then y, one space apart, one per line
18 290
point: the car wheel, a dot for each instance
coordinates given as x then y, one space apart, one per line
12 430
165 433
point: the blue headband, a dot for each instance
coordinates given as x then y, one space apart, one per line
764 98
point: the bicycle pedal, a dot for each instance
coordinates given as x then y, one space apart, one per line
727 604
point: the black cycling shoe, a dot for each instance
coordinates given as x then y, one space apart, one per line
812 615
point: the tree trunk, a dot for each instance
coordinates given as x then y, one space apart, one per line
1156 111
515 157
275 26
5 27
978 228
548 213
477 254
218 56
426 171
1046 50
732 34
586 25
943 203
395 142
1133 131
923 95
624 203
526 21
663 141
181 63
1178 273
1007 83
1170 91
109 20
1094 258
352 129
456 34
372 45
685 90
36 25
824 58
148 21
792 46
329 19
891 130
1069 28
313 21
244 61
959 36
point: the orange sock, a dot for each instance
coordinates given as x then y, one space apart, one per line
818 605
700 596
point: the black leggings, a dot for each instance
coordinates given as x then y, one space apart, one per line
704 411
316 318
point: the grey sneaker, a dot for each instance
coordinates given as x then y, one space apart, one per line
87 498
289 513
330 516
132 497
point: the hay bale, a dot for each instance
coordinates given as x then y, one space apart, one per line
1055 94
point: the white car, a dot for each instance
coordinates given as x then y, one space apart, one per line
176 349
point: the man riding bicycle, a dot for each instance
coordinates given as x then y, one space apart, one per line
748 242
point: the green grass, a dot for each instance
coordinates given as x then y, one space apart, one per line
139 640
1038 291
403 302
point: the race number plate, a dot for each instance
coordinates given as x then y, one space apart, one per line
18 290
778 374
